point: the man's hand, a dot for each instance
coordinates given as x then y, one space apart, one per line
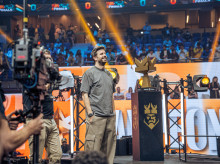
12 123
36 125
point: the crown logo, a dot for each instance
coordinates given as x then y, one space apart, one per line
151 119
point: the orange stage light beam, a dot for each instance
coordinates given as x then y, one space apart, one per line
215 43
75 6
6 36
112 27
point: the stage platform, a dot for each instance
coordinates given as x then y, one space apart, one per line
168 159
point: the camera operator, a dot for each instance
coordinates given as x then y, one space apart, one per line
11 139
49 137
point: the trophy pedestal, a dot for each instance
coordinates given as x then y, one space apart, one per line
147 126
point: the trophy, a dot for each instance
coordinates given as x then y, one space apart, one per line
145 66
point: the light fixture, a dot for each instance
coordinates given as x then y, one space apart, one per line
205 82
140 81
187 19
114 73
97 25
98 17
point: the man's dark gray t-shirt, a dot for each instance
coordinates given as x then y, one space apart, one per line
99 85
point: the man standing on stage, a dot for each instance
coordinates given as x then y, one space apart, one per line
97 91
49 136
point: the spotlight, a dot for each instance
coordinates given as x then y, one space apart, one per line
205 82
140 81
115 75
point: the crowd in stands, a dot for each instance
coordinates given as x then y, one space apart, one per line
171 46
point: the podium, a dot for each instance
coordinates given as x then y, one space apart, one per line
147 129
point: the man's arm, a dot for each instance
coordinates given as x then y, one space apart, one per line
11 139
113 104
86 101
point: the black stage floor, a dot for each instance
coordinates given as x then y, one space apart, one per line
168 159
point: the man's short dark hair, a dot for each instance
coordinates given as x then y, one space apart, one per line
95 49
90 157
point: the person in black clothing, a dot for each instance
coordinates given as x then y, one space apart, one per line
70 34
174 56
52 33
49 136
214 88
192 94
31 31
120 60
165 54
166 31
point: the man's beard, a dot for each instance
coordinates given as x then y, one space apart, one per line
101 62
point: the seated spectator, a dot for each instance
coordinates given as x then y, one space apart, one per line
149 48
198 42
121 60
187 36
119 95
151 54
174 56
65 147
166 31
178 40
78 58
111 57
167 43
182 53
164 53
71 59
90 157
176 93
157 53
60 60
128 95
138 49
208 43
198 51
192 94
100 43
143 54
205 54
217 53
190 53
171 48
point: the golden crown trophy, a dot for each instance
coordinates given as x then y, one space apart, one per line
147 131
145 66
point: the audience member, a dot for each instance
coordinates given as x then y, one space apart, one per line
128 95
71 59
205 54
151 55
119 95
167 43
79 59
157 53
147 30
52 33
174 56
31 31
121 60
198 51
166 31
165 54
65 147
214 88
182 53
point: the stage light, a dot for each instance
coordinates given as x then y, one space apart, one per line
6 36
203 85
205 82
117 35
96 25
74 5
99 17
114 73
140 81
